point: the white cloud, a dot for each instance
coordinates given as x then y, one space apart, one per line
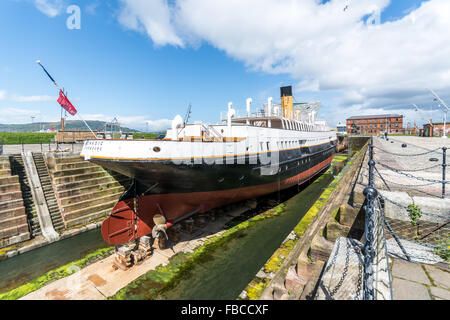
17 115
160 125
43 98
51 8
151 16
370 67
4 95
133 122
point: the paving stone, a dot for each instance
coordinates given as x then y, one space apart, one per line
409 271
407 290
440 293
440 277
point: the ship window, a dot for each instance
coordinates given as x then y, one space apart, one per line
261 146
268 146
157 149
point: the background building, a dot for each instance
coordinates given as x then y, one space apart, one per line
341 128
375 124
435 129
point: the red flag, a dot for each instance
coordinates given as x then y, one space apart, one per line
66 104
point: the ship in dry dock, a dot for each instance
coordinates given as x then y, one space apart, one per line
198 167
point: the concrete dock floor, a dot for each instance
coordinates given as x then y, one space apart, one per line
100 280
418 281
414 145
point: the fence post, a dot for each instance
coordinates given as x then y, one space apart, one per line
21 142
444 166
370 193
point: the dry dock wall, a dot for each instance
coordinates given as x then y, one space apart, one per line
85 191
334 214
77 193
13 219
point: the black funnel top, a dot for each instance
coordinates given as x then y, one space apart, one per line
286 91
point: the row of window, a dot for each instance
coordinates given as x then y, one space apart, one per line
373 126
265 146
374 120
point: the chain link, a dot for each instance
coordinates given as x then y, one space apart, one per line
406 208
410 175
407 155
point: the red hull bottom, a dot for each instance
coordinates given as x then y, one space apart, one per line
125 223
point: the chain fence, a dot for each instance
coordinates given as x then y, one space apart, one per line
430 230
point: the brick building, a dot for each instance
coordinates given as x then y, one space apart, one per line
375 124
436 129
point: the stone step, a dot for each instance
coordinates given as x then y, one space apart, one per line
14 212
8 196
65 187
4 165
84 219
68 160
74 165
24 236
13 231
12 222
11 204
77 171
92 195
81 177
91 202
9 180
105 206
5 172
87 189
10 187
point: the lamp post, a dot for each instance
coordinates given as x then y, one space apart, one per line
445 107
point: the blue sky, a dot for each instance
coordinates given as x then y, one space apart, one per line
114 68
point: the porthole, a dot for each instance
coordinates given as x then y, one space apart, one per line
156 149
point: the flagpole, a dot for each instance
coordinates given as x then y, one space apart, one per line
87 125
57 86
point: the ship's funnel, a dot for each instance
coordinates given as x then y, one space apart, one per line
287 104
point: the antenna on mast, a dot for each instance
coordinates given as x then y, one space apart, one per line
188 114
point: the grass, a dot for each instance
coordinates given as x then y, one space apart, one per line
139 135
26 138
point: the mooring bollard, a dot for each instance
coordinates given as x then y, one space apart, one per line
444 166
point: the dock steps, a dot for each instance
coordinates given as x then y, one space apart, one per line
49 194
18 169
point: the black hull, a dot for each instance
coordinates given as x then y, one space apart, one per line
165 176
